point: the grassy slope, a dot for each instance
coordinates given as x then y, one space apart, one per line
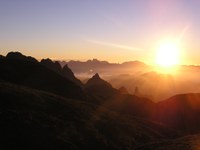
35 119
191 142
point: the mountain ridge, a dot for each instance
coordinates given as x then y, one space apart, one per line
24 70
39 107
95 65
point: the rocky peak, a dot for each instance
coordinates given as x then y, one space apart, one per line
96 80
19 56
55 66
96 76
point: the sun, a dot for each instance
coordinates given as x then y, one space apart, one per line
167 54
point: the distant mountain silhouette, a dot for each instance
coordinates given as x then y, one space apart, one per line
55 66
19 56
42 106
95 65
65 71
113 99
70 75
23 70
99 87
181 112
96 80
134 63
152 85
88 63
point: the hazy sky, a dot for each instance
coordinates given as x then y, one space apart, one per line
114 30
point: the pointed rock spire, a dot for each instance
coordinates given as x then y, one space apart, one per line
99 87
96 76
96 80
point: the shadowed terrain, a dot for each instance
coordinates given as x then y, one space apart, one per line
181 112
34 119
44 106
20 69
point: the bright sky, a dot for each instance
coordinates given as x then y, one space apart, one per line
113 30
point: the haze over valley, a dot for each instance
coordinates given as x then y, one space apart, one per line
100 74
43 105
140 78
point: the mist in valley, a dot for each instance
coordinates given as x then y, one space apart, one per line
145 80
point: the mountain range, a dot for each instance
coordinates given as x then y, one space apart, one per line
102 67
44 106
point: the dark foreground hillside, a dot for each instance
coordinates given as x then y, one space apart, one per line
181 112
32 119
191 142
25 70
44 106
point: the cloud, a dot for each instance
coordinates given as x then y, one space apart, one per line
185 29
120 46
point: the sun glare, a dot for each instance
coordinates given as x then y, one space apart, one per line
167 54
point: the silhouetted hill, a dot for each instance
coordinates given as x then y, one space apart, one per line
98 87
23 70
70 75
103 93
42 108
181 112
95 65
133 64
32 119
96 80
152 85
65 71
55 66
18 56
88 63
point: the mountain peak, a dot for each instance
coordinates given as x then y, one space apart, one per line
96 80
47 60
65 71
55 66
19 56
99 87
96 76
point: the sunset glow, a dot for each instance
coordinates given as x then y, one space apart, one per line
103 29
168 54
100 74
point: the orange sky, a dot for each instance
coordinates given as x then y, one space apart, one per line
114 30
